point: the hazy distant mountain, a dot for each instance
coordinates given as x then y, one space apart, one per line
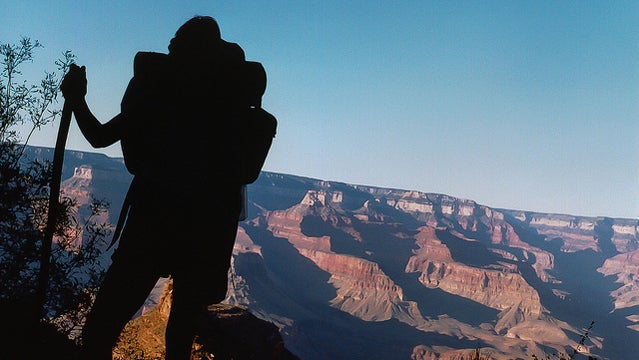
359 272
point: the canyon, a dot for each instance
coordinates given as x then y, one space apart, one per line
349 271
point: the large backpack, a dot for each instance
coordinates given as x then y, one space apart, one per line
249 129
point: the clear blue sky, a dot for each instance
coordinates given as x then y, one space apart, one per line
530 105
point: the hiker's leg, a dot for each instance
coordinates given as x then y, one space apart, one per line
186 311
125 288
205 283
190 298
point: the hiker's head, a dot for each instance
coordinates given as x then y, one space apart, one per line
199 35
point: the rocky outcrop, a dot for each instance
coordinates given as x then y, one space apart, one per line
226 332
474 220
496 289
625 234
287 224
499 289
79 185
363 290
232 332
625 267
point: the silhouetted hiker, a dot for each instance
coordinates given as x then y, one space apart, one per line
193 133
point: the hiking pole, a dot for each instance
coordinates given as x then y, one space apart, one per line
54 205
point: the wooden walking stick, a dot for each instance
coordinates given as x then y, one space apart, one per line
54 202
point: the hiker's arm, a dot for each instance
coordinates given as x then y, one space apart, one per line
97 134
74 89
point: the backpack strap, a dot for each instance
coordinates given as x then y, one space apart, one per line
124 212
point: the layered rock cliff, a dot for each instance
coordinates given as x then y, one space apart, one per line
498 286
626 268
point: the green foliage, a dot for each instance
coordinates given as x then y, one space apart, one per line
22 103
24 190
